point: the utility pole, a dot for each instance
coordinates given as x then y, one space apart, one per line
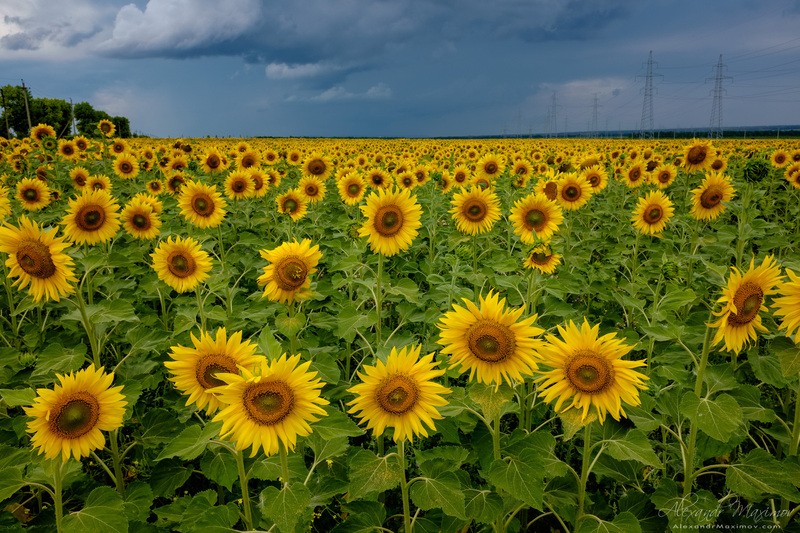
593 128
27 109
552 116
646 128
5 113
715 123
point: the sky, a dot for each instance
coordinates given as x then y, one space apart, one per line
408 68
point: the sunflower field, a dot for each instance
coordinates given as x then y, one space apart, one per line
365 335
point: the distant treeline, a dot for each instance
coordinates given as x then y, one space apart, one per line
52 111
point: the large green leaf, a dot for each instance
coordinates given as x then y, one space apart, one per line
18 397
622 523
700 508
482 505
55 358
336 424
191 442
633 446
442 492
10 481
788 355
219 465
758 475
719 418
103 511
138 500
491 400
285 506
522 479
370 473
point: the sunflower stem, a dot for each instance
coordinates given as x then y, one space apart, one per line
248 512
293 336
496 436
89 327
585 469
793 446
12 312
58 502
401 454
200 310
284 464
688 467
378 301
116 459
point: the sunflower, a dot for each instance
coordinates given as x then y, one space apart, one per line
652 213
140 221
573 191
106 127
126 166
92 217
590 371
239 186
664 175
406 180
34 194
248 159
317 165
40 131
79 177
400 393
271 406
475 210
489 167
698 155
271 157
312 188
119 147
393 218
421 174
273 178
780 158
742 299
351 188
792 175
69 420
5 203
260 184
81 143
293 157
194 369
708 200
181 263
788 304
490 341
201 204
175 182
213 162
718 164
535 216
521 172
635 175
543 259
596 176
155 186
98 182
379 179
461 176
150 200
445 183
286 278
292 203
67 150
37 258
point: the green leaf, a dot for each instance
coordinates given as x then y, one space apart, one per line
285 506
442 492
362 517
441 459
138 500
158 427
788 355
268 345
170 474
719 418
633 446
326 448
17 397
370 473
622 523
405 288
290 325
697 509
103 511
57 359
191 442
113 311
521 479
759 474
483 505
219 465
10 481
350 319
336 424
491 401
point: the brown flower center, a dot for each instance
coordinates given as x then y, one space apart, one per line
571 193
540 258
316 167
125 167
589 372
203 204
653 214
291 273
311 190
748 300
696 155
551 190
181 264
213 161
75 415
248 161
268 402
634 175
31 194
490 168
290 205
353 189
474 210
535 220
460 177
90 217
67 149
34 258
239 186
491 341
664 176
388 220
711 197
397 394
210 365
141 221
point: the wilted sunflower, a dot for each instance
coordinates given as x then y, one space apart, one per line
194 369
270 407
201 204
663 175
126 166
312 188
79 177
351 188
589 371
400 394
181 263
106 127
34 194
573 191
698 155
535 216
317 165
652 213
743 299
239 186
393 219
708 200
543 259
475 210
69 420
490 341
92 217
139 220
292 203
286 278
788 304
37 258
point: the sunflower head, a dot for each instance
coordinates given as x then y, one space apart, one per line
293 204
393 219
709 200
181 263
652 213
698 155
475 210
535 217
92 218
543 259
286 278
201 204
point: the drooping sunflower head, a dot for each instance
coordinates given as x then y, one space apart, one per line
490 341
787 305
652 213
92 217
292 203
239 186
543 259
698 155
270 407
743 298
393 220
287 276
400 394
33 194
535 217
573 191
475 210
587 371
202 205
313 188
351 188
709 200
194 369
69 419
317 165
36 257
181 263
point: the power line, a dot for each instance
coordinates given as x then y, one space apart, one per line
715 123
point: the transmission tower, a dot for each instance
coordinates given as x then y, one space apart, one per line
646 128
715 124
593 127
552 116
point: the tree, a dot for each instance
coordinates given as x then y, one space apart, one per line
13 101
